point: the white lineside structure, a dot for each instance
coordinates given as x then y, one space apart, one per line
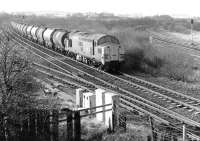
97 98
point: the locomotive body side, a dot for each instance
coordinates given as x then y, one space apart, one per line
101 50
78 46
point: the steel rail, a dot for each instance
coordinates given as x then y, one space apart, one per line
196 123
144 88
161 89
50 74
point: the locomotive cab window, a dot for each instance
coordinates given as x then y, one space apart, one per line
93 47
80 43
108 39
70 43
94 43
99 50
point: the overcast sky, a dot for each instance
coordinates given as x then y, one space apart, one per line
180 8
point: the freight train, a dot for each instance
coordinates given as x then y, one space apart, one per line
96 49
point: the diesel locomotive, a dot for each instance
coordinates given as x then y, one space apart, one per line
100 50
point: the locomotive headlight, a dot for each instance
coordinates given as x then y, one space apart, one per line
122 56
106 56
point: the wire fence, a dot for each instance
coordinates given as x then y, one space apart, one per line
41 125
76 125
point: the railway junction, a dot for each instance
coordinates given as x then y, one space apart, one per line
173 109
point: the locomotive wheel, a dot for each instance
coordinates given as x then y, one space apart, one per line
53 48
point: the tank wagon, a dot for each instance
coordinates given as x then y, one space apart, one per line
39 35
33 32
60 39
24 29
97 49
47 35
28 31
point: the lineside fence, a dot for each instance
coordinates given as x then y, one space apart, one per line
52 125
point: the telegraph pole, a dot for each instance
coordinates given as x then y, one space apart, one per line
191 25
184 132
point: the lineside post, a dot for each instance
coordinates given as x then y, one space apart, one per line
115 114
184 132
51 124
192 22
154 135
5 119
77 126
69 125
55 125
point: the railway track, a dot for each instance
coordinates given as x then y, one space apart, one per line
66 78
174 40
60 76
171 42
191 51
128 89
126 102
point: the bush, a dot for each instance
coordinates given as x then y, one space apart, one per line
128 136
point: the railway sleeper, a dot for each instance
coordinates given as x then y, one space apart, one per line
197 104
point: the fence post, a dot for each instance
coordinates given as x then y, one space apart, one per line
184 132
77 126
36 122
122 122
154 135
69 125
28 122
55 125
31 122
5 119
115 113
51 124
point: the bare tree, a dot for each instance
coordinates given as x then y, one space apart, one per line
16 82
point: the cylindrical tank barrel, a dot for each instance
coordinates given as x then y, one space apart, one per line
28 31
23 28
33 32
39 34
47 35
59 38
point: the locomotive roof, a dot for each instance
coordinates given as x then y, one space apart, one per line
87 36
